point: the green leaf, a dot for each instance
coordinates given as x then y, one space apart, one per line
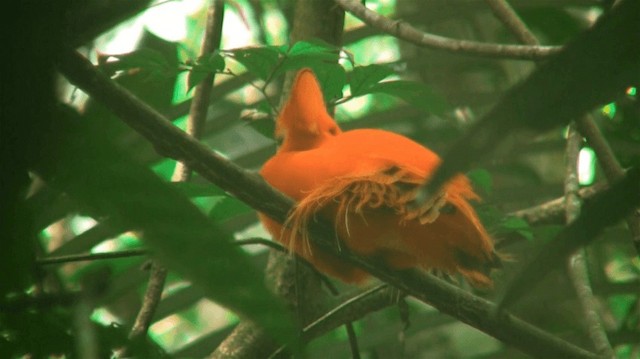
228 207
332 78
195 190
214 62
264 126
517 225
414 93
481 179
313 50
260 61
148 59
203 68
196 76
364 77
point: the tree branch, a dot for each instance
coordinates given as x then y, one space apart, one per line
200 103
249 188
505 13
553 211
410 34
576 264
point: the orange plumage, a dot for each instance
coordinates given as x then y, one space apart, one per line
364 181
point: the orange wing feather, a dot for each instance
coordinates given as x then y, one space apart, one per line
365 181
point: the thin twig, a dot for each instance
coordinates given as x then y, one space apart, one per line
248 188
200 103
576 264
409 33
553 211
354 308
90 257
503 11
149 304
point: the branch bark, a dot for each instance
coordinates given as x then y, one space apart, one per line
410 34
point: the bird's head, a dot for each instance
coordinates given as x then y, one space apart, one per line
303 122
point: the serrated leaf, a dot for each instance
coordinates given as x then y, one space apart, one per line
414 93
481 179
364 77
260 61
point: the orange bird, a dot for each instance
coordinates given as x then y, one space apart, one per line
364 181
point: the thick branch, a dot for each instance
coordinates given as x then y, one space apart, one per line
249 188
410 34
202 93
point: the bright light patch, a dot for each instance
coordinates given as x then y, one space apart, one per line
80 224
356 107
167 21
276 29
235 31
632 91
586 166
122 39
609 110
104 317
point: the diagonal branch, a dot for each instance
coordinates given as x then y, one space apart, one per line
410 34
171 141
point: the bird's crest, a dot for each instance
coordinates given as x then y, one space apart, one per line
304 121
